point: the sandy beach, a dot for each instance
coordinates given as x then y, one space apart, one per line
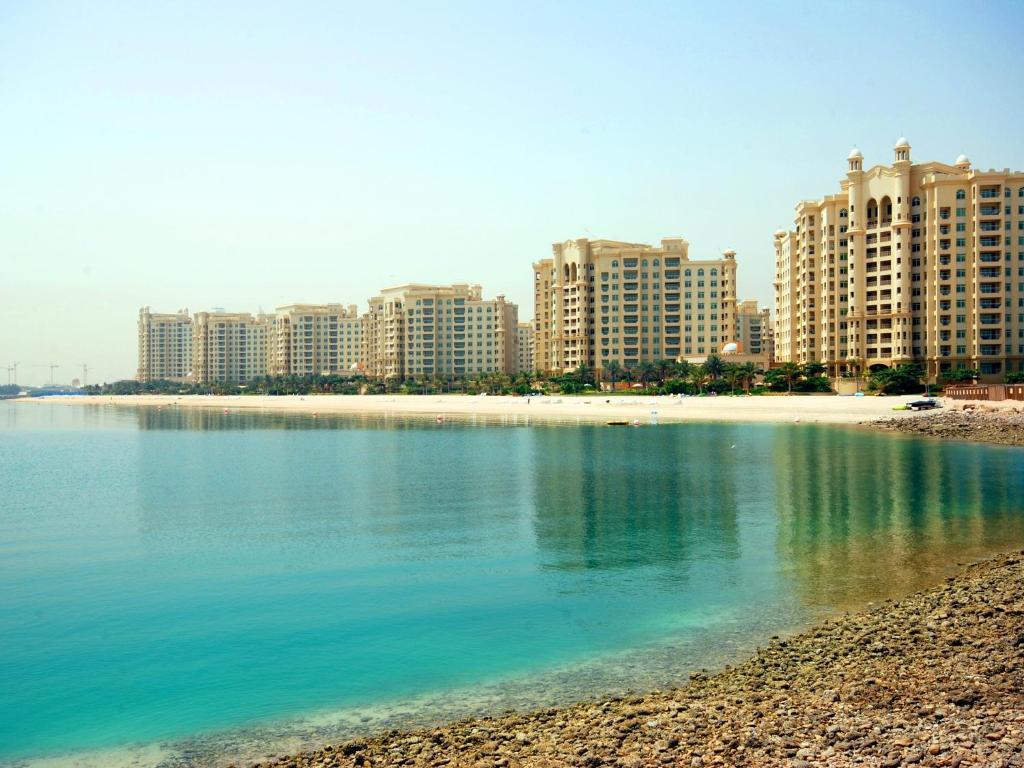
586 409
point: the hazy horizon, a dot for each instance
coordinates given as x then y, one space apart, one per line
252 155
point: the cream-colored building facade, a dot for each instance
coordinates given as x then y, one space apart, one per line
909 262
165 346
524 348
229 347
419 330
603 300
754 329
314 340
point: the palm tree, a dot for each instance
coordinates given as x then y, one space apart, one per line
698 376
714 367
612 370
748 372
790 372
647 372
732 373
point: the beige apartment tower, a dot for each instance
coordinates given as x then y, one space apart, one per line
909 262
525 348
754 329
315 340
417 330
229 347
165 346
601 301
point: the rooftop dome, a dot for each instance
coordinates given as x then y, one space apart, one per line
780 233
855 154
963 160
730 349
902 143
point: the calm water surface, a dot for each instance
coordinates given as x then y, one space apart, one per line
227 584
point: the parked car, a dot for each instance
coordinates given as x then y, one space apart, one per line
924 405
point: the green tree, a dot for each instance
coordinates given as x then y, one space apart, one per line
900 380
714 367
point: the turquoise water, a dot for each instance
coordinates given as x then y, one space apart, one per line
218 582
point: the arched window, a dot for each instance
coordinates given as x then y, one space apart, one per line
700 272
714 272
916 202
656 262
961 194
842 213
615 263
573 273
688 273
1020 192
643 263
565 272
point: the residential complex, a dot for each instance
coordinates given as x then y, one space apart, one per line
754 331
524 348
229 347
908 262
409 331
602 301
165 346
438 330
321 339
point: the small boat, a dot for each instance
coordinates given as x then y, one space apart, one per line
617 423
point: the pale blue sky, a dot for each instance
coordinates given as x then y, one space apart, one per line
247 154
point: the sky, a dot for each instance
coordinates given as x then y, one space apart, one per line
248 155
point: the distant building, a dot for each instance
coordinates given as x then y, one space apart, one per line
315 339
908 262
438 330
605 301
754 329
229 347
524 347
165 346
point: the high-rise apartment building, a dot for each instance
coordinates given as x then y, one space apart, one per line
229 347
909 262
754 329
524 347
543 275
438 330
165 346
602 301
315 339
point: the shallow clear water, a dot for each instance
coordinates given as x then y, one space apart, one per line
227 583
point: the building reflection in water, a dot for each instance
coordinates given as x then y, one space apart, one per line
865 515
626 498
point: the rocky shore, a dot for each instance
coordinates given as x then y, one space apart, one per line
936 679
981 422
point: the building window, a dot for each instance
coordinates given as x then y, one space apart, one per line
961 195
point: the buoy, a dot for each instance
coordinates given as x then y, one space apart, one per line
796 420
225 410
440 418
636 422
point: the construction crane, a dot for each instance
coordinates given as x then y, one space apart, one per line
52 367
85 374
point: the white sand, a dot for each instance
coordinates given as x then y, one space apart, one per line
591 408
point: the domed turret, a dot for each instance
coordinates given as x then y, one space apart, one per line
729 253
963 163
902 150
856 159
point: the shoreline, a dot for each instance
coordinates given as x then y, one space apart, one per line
596 409
932 679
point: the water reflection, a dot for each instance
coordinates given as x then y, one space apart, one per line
864 515
621 498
